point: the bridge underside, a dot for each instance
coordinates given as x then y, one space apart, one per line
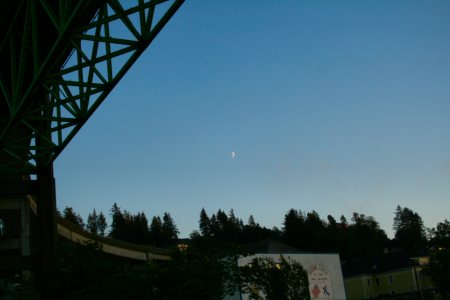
58 61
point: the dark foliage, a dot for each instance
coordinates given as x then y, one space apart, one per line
409 231
84 272
439 267
263 278
222 232
135 228
308 232
70 215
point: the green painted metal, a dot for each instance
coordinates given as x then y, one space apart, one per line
96 54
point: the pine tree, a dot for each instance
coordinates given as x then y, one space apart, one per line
169 229
331 221
409 230
214 227
294 227
96 223
251 221
139 231
70 215
222 218
92 222
118 230
101 224
232 218
156 230
204 223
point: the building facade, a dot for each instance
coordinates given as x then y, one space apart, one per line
386 275
324 272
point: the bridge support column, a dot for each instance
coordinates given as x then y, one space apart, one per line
46 213
45 199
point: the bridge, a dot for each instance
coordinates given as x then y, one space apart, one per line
71 232
114 247
59 60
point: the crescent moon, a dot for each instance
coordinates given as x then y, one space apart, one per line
233 154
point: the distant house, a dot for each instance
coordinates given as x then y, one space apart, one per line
387 274
324 270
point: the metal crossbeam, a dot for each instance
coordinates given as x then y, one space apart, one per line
98 56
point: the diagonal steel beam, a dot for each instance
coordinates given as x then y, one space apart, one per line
101 53
24 50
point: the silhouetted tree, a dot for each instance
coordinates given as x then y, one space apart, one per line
365 236
138 228
343 220
439 267
409 231
70 215
128 227
101 224
92 223
222 220
331 221
204 223
252 232
251 221
314 235
169 229
263 278
197 275
118 227
156 230
214 226
294 227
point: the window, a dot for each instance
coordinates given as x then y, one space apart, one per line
368 282
391 279
377 281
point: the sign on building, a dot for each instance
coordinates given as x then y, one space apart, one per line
324 273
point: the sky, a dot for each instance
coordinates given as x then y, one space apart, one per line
262 106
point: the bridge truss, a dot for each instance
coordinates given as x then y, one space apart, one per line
59 60
58 63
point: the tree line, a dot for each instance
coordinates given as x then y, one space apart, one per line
128 227
307 231
221 233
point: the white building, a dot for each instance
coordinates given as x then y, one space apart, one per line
324 271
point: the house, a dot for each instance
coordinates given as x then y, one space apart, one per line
383 275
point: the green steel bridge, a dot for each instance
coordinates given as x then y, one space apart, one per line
59 60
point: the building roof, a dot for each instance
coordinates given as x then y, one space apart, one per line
269 246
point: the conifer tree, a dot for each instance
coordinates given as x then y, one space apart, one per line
409 230
92 222
251 221
70 215
204 223
101 224
117 230
169 229
156 230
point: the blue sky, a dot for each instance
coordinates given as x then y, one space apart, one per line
333 106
